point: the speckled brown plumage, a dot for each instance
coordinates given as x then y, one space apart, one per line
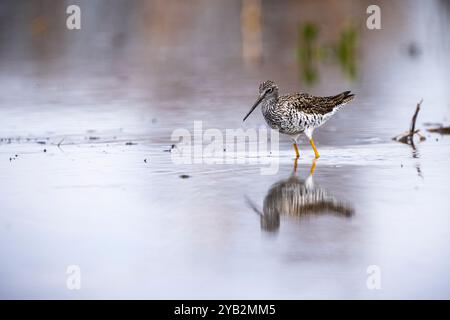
307 103
297 113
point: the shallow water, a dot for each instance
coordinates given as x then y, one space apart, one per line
110 199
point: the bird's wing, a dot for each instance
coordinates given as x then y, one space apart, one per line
307 103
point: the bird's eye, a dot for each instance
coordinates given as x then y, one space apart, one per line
270 90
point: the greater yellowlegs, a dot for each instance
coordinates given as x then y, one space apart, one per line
297 113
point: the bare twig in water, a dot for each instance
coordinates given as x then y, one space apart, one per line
408 136
414 118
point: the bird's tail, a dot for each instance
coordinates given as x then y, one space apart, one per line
343 98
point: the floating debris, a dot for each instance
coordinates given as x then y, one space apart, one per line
441 130
130 143
408 136
45 150
41 142
185 176
94 138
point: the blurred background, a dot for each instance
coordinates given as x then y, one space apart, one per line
85 123
178 61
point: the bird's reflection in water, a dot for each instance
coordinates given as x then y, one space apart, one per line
298 198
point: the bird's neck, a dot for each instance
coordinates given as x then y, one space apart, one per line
268 104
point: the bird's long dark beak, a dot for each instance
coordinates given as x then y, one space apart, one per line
254 106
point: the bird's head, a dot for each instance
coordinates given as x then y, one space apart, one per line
267 90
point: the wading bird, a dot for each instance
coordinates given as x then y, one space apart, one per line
297 113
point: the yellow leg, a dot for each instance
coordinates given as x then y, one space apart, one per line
311 141
313 167
297 153
295 165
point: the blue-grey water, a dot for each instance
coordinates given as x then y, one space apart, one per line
86 119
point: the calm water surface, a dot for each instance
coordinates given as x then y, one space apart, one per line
111 200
